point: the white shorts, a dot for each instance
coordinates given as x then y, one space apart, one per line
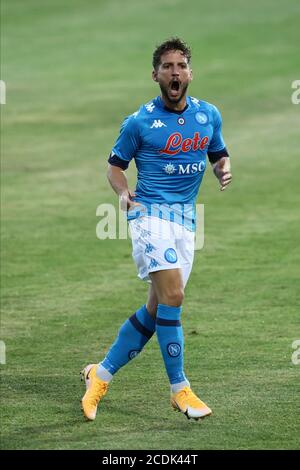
159 245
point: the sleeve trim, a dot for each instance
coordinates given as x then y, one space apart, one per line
215 156
117 161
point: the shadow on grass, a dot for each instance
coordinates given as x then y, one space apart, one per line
44 412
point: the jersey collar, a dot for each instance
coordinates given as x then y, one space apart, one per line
163 106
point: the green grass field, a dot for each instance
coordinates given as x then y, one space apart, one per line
73 70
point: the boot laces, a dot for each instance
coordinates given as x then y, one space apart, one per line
192 399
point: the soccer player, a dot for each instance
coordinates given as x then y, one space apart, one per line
169 139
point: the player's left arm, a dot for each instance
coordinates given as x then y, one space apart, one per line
218 154
222 170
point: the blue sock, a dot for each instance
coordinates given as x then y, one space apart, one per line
170 337
132 337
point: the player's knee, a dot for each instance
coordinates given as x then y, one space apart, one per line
178 297
174 297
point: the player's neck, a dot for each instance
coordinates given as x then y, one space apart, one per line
180 106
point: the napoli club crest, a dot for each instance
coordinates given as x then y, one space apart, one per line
133 353
201 118
174 349
170 255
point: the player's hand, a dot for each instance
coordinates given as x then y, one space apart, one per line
126 201
222 172
225 180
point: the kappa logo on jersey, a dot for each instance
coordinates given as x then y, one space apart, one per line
157 123
150 107
176 144
195 100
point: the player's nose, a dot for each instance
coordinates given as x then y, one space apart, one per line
175 71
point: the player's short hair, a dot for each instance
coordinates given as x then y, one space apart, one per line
171 44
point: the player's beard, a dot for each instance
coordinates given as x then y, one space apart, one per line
172 99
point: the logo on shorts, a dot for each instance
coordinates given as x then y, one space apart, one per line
171 255
174 349
153 264
149 248
201 117
133 353
145 233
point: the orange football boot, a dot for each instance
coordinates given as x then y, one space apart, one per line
95 391
189 404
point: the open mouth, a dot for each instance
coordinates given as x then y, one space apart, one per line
174 87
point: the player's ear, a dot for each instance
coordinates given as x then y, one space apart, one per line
154 75
191 75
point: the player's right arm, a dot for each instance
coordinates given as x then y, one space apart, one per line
118 181
122 153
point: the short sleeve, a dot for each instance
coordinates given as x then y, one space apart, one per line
128 140
217 142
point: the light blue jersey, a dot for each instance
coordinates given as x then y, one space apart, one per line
169 149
